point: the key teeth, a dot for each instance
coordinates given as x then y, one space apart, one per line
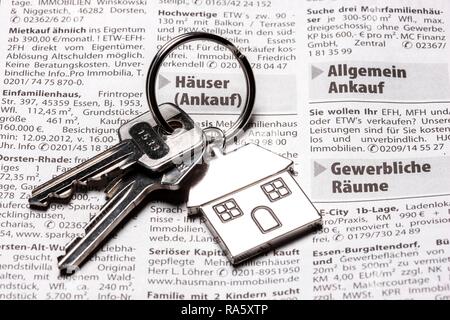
95 182
37 204
51 197
65 195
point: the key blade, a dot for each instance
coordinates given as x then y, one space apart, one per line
93 172
128 193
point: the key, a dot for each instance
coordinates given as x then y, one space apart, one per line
142 142
124 193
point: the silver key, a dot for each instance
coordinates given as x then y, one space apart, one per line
142 142
124 194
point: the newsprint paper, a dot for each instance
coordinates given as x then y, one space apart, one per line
356 93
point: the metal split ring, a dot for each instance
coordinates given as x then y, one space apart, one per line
174 43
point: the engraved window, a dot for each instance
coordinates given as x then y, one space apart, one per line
276 189
228 210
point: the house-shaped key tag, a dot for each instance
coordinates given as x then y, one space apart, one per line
251 202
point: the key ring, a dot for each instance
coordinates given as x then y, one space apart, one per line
174 43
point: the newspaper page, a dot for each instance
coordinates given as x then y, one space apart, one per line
356 93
